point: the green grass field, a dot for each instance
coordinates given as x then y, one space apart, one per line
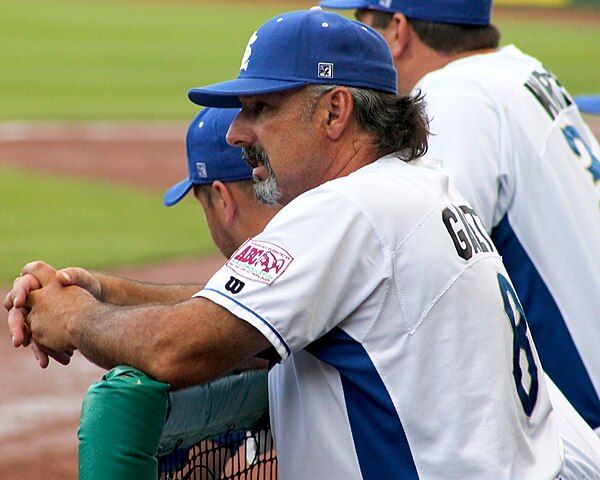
78 60
109 59
570 50
93 224
72 60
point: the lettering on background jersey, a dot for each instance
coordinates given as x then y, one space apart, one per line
546 88
261 261
234 285
466 231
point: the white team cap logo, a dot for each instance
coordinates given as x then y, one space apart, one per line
385 3
325 70
248 52
201 169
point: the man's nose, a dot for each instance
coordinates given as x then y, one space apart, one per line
240 133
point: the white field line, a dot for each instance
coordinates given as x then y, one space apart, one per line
21 131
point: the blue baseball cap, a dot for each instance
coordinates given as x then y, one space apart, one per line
306 47
461 12
209 156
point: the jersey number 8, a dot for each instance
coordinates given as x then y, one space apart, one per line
521 346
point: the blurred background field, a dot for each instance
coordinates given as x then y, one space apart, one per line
81 60
100 223
93 59
74 61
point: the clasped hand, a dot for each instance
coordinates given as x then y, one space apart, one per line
40 305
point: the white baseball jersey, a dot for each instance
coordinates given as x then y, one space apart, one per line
581 444
516 147
404 351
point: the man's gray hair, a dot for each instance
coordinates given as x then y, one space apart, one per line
397 123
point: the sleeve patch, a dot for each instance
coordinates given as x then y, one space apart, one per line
260 261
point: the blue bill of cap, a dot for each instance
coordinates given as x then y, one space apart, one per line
177 192
226 94
588 103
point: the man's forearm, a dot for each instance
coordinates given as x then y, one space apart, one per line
125 292
181 344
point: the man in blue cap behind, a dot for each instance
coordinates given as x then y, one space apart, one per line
384 298
222 182
514 143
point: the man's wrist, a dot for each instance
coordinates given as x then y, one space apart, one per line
76 324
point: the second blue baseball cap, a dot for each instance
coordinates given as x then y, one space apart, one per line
462 12
209 156
306 47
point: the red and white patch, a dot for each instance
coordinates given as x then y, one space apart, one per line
260 261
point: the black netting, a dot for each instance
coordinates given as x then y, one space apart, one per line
234 456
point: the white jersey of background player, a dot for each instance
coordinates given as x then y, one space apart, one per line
398 330
515 145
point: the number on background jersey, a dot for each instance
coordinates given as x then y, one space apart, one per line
592 164
521 346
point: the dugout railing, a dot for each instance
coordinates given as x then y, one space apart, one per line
135 427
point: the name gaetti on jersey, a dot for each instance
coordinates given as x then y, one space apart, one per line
466 231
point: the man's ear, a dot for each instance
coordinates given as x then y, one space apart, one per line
224 202
397 35
337 105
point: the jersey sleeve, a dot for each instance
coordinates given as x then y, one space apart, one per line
312 266
464 137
